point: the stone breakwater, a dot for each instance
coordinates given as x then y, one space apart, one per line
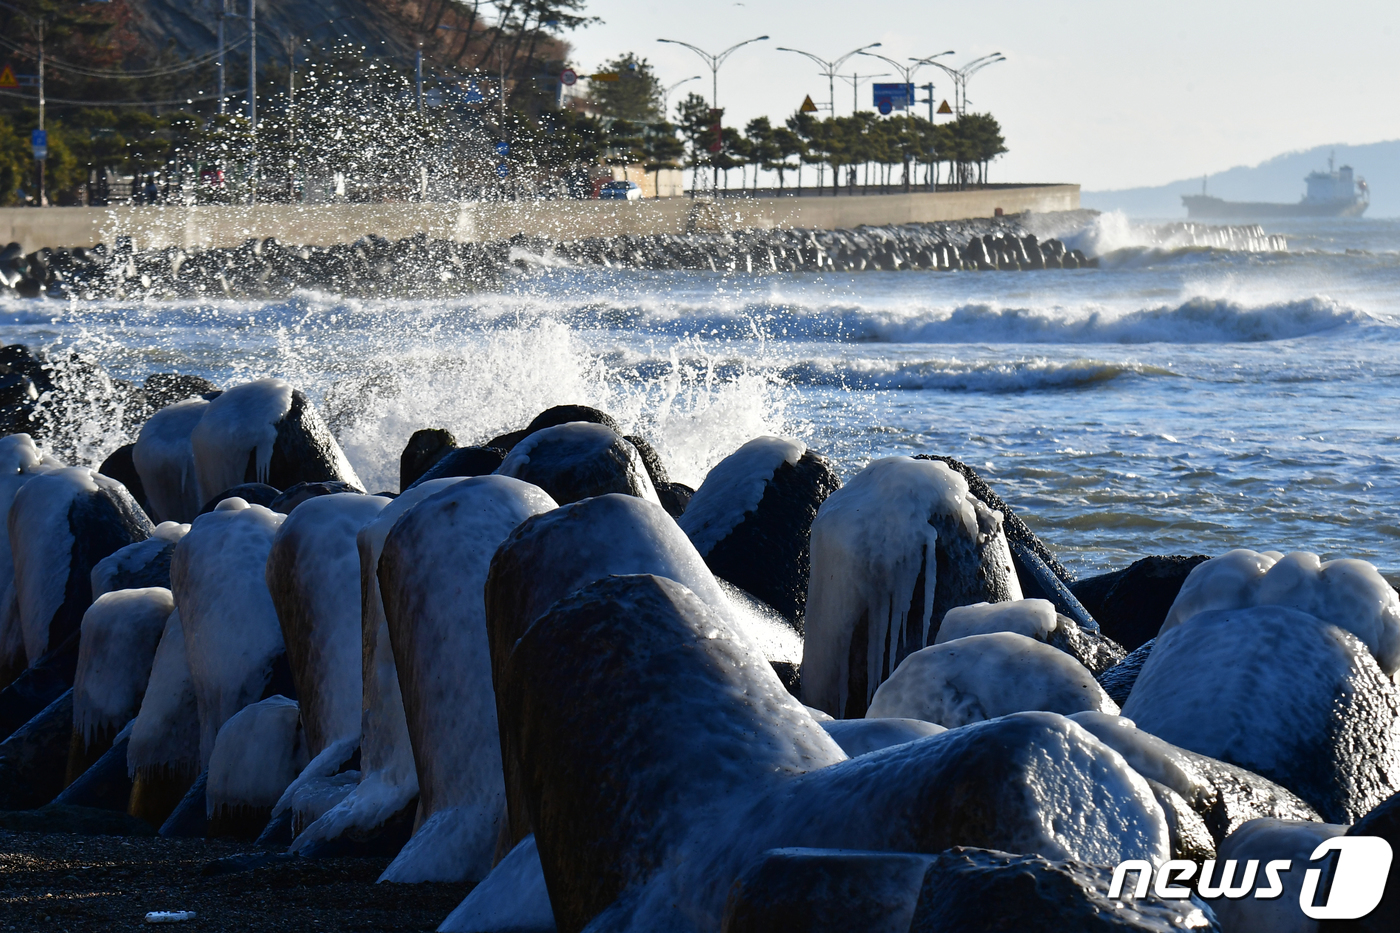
424 267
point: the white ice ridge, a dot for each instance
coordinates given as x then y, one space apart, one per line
120 632
734 488
241 420
231 631
41 540
513 897
164 459
256 755
1267 840
1034 618
982 677
775 635
1350 594
166 731
389 779
869 542
20 461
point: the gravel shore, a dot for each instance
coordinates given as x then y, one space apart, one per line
66 882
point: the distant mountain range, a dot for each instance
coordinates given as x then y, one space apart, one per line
1279 179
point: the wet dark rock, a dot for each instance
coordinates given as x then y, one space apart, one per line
1383 821
34 757
299 493
463 461
84 821
164 389
426 447
1131 604
1090 647
825 891
1118 680
120 467
578 460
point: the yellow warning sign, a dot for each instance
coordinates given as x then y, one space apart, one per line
606 76
807 105
944 108
7 78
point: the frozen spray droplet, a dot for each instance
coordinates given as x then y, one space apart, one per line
169 916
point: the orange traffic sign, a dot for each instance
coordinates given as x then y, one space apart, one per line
606 76
944 108
807 105
7 77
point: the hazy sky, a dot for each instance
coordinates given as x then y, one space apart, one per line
1106 94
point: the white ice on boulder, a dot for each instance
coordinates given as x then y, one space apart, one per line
982 677
120 633
257 753
775 635
512 899
1034 618
863 736
579 437
442 550
165 735
1268 840
734 488
869 542
164 459
320 610
41 540
388 778
20 461
231 631
241 420
134 556
1350 594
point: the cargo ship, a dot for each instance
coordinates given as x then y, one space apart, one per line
1338 193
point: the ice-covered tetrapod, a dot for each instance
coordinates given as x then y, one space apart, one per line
164 459
388 782
163 754
432 575
257 753
892 551
20 461
1350 594
232 637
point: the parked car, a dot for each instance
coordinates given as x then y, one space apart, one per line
620 191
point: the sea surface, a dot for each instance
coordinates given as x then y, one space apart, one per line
1179 399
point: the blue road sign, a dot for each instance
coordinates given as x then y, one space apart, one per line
503 170
502 148
39 140
472 94
893 96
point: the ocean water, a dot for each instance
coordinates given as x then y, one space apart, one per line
1178 399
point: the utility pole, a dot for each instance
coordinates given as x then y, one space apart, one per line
43 163
223 93
418 73
253 64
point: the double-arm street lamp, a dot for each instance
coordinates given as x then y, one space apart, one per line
666 94
907 71
829 69
714 61
960 76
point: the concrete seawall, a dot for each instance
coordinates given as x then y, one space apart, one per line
323 224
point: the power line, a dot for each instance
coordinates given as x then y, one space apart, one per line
131 75
111 103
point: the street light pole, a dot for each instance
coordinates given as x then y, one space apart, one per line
666 95
714 61
829 69
223 15
907 71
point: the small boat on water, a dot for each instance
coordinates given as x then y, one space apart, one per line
1338 193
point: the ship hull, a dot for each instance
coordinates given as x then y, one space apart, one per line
1204 207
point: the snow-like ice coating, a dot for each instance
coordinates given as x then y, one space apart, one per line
389 779
20 461
1270 840
776 637
121 631
869 544
734 487
1281 693
985 676
164 459
1034 618
41 542
165 734
241 420
432 576
257 753
133 557
313 575
231 631
512 898
863 736
579 442
1350 594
